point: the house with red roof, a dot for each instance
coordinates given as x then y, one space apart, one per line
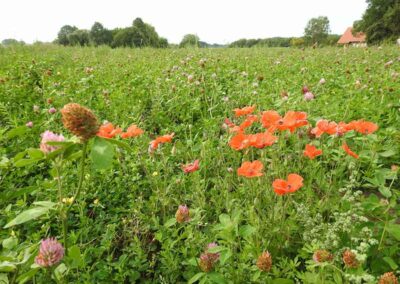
358 39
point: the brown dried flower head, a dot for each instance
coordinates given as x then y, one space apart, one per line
322 255
264 261
388 278
350 259
80 121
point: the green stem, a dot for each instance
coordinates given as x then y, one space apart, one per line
75 197
63 215
81 176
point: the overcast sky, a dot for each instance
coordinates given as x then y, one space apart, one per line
214 21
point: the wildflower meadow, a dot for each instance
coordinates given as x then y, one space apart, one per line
226 165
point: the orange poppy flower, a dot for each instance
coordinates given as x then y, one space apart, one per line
244 111
239 141
270 120
162 139
293 120
251 169
250 119
348 151
311 151
261 140
108 131
132 131
365 127
325 126
293 183
192 167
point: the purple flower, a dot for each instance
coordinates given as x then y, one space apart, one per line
182 214
49 136
29 124
52 110
308 96
51 252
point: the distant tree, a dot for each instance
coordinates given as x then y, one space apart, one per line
239 43
190 40
317 30
123 37
162 42
332 39
62 37
380 21
11 41
100 35
297 42
79 37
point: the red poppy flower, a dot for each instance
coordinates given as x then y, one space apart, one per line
192 167
365 127
311 151
293 120
251 169
244 111
293 183
250 119
325 126
108 131
348 151
239 141
132 131
270 120
162 139
261 140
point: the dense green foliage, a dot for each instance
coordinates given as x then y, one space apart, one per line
140 34
123 228
381 21
317 30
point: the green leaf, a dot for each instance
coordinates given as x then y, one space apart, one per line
246 231
3 278
391 262
27 215
102 154
197 277
394 230
7 266
225 219
14 193
282 281
170 222
47 204
35 154
60 271
75 257
225 255
120 144
18 131
385 191
388 153
23 278
10 242
216 277
25 162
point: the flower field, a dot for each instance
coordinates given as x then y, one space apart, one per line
199 165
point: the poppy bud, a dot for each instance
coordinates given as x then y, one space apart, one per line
350 259
80 121
388 278
322 256
264 261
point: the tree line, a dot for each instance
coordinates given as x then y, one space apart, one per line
139 34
